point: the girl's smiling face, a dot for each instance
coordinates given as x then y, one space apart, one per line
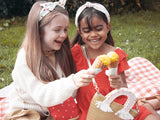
55 33
95 36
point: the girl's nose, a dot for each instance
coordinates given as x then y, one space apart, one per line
63 34
92 33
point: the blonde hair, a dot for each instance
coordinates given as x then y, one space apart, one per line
36 61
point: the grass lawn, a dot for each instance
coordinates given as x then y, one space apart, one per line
138 34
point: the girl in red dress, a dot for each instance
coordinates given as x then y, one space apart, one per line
94 35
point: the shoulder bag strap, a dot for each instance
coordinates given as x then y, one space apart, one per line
89 64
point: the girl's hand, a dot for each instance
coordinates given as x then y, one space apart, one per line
83 77
115 81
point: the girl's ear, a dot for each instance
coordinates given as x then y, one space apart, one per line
109 26
78 30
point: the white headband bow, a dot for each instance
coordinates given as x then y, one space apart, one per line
96 6
50 6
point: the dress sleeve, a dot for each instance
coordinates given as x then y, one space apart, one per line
123 64
75 50
79 59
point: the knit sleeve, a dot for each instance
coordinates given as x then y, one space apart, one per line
49 94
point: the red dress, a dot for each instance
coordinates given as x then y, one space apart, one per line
85 94
67 110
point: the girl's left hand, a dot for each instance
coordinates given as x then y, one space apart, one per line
115 81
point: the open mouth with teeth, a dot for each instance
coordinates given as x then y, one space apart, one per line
95 41
58 41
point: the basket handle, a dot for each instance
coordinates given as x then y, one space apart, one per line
124 112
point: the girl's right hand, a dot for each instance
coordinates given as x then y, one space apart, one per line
83 77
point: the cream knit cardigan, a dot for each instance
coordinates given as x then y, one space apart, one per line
30 93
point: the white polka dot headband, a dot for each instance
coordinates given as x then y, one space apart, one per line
50 6
96 6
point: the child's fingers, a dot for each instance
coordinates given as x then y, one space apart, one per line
114 76
115 81
87 74
91 71
83 77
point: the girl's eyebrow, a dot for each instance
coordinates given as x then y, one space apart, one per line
92 27
84 28
99 25
59 26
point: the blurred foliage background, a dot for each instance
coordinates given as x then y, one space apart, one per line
10 8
